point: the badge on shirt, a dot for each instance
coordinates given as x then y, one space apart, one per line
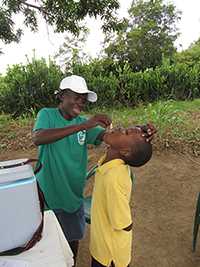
81 137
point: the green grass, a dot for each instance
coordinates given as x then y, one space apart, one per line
173 119
177 123
15 133
6 120
176 117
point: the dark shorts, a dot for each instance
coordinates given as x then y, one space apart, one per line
72 224
95 263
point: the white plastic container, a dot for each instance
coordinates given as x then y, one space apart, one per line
20 214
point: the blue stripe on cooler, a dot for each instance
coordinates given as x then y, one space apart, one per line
17 183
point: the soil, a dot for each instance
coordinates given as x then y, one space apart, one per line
163 205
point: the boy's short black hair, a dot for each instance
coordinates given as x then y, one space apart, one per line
141 154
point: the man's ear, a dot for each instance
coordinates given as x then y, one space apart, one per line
61 97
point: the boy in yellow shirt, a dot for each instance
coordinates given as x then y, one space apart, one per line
111 222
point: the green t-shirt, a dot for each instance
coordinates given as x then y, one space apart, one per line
62 177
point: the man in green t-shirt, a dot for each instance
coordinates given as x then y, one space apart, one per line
62 136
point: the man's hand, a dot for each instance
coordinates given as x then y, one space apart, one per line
99 119
148 131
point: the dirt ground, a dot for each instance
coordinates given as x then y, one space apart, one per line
163 206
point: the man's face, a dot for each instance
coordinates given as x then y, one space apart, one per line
73 103
122 138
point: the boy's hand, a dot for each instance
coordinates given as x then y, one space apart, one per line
128 228
148 131
99 119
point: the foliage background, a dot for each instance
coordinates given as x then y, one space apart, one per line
138 64
30 87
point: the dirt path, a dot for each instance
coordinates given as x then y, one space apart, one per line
163 205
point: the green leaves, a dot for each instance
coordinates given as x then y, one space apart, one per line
164 115
30 19
190 56
63 15
7 32
148 36
29 87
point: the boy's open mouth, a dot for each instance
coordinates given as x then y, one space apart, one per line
116 129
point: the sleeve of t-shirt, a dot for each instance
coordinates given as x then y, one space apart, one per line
42 120
92 135
117 205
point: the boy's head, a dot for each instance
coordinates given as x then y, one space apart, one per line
129 145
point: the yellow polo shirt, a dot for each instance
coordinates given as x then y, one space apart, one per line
110 213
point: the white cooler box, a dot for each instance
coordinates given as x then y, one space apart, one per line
20 214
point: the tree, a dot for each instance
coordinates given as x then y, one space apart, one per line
190 56
30 86
64 15
148 35
71 52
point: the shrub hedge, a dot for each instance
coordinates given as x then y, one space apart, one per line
30 87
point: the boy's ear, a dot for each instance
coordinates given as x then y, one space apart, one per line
125 152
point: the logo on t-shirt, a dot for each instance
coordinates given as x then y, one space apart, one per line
81 137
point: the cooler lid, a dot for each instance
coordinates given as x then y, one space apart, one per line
15 173
11 162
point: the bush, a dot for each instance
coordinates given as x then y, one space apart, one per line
29 87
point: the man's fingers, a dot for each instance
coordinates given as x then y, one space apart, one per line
151 128
103 119
149 131
104 125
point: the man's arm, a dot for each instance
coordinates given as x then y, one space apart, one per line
47 136
101 136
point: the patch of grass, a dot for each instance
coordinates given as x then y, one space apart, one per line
187 106
25 120
175 120
173 116
4 120
15 133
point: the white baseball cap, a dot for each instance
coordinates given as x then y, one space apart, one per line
78 85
